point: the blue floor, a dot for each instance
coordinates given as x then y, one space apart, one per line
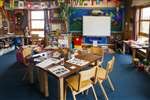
130 84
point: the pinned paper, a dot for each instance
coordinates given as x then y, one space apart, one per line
95 43
20 4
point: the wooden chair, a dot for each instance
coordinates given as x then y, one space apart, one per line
102 74
81 82
26 52
97 51
35 38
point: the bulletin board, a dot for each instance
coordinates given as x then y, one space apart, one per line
75 18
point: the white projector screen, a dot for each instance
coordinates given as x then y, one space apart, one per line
96 26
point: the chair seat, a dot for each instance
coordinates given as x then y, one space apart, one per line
101 73
73 82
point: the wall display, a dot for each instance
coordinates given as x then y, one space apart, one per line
55 27
18 17
11 3
75 19
63 41
100 40
77 40
20 4
1 3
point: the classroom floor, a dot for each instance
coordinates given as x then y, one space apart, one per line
130 83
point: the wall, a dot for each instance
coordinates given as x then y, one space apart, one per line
130 11
75 18
128 20
111 9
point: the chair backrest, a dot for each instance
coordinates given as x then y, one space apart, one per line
110 64
102 73
86 75
26 52
35 38
97 50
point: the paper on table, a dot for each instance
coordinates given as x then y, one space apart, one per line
56 54
77 61
72 67
59 70
48 62
135 46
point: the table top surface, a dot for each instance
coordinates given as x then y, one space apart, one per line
70 68
136 45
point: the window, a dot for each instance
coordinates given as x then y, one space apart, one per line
37 23
144 21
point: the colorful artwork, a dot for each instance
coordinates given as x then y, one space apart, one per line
75 19
1 3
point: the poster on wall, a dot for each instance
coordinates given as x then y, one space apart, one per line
20 4
76 14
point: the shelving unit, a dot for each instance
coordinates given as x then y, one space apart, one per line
55 25
8 43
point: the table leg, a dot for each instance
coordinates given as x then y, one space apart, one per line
61 89
30 72
133 53
40 80
147 53
124 48
44 82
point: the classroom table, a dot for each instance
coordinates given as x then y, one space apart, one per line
43 73
134 47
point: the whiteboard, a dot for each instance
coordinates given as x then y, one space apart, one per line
96 25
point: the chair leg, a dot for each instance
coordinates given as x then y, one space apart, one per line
87 91
94 93
110 82
74 97
103 90
82 93
24 76
65 91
